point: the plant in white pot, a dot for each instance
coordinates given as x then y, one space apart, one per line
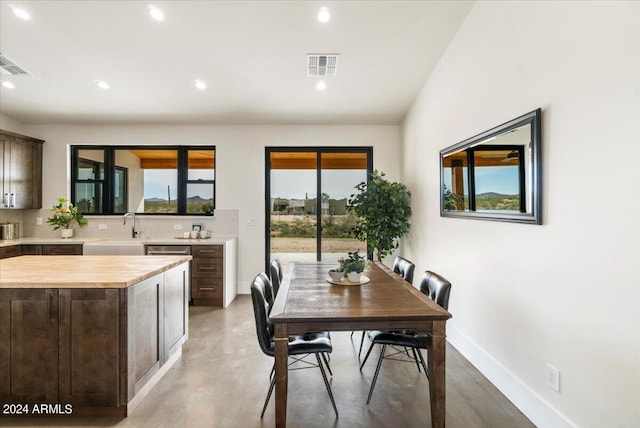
354 266
64 213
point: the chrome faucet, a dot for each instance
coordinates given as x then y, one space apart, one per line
132 216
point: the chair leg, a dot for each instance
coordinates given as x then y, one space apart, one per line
326 383
361 342
273 383
375 376
415 358
367 356
326 362
424 366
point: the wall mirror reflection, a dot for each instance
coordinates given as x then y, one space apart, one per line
143 179
495 175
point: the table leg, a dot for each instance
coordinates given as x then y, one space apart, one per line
437 378
281 356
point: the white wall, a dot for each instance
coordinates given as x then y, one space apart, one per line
240 152
564 293
8 124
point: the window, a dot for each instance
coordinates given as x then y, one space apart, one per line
143 179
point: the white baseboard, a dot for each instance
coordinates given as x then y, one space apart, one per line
541 413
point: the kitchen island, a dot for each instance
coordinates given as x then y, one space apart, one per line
88 335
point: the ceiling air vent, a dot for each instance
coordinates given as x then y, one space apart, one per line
324 65
8 67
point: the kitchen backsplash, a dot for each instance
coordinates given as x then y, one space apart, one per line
223 223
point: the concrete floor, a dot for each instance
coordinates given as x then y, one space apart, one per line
223 377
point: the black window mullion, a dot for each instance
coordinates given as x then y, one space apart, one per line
183 171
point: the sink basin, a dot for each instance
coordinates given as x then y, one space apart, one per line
113 248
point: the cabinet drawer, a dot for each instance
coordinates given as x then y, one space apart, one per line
31 250
209 288
206 268
207 251
62 250
11 251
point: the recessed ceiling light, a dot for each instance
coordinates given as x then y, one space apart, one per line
200 85
324 15
321 85
156 13
102 84
9 85
20 13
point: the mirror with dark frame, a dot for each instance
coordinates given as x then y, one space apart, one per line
495 175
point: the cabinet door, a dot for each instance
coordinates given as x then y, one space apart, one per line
12 251
21 172
28 346
89 347
62 250
31 250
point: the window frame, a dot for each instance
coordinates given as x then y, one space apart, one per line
108 186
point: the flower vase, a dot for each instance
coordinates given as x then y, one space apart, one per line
66 233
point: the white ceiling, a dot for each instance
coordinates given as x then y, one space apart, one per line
251 54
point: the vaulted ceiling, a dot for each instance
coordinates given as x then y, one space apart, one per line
252 56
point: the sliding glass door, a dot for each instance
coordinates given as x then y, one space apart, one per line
306 196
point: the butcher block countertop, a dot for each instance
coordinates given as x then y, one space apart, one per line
83 271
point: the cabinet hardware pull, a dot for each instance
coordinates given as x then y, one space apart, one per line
207 288
12 200
207 268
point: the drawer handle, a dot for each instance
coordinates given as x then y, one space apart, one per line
206 268
208 251
207 288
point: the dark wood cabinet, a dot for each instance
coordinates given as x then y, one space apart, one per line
52 250
88 351
20 171
29 346
207 274
12 251
62 250
93 348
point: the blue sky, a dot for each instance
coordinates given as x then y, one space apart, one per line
294 184
498 179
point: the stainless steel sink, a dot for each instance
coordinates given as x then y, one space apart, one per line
113 248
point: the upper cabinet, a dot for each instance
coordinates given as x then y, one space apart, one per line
20 171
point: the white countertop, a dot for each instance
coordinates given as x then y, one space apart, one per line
215 240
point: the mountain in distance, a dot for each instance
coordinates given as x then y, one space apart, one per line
155 200
487 195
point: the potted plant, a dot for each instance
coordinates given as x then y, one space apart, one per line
382 211
354 265
64 213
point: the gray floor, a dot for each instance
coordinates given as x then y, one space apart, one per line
223 378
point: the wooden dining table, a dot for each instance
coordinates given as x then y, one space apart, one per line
306 302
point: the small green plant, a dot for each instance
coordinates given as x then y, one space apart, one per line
354 263
64 213
207 209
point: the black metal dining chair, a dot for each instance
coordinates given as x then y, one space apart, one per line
299 346
275 273
438 289
402 267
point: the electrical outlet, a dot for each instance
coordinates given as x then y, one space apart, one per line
553 378
102 226
177 227
38 221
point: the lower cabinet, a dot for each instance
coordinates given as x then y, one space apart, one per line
11 251
28 346
207 274
52 250
92 349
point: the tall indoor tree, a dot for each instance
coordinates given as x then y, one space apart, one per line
382 209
